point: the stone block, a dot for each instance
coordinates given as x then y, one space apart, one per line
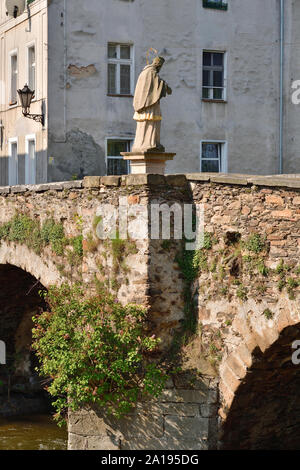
180 427
166 444
72 184
38 188
4 189
176 180
208 411
178 409
276 200
236 365
91 182
77 442
184 396
229 377
229 179
244 354
18 189
144 180
284 214
110 180
205 177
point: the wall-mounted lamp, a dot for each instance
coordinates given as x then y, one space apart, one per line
26 96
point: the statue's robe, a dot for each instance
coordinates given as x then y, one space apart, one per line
150 88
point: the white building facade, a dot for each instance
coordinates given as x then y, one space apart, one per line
224 62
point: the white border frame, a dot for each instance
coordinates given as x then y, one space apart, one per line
224 156
28 46
222 51
12 168
30 171
10 54
130 62
118 138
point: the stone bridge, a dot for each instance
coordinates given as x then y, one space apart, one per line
237 385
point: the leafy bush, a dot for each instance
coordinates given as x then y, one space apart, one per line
95 351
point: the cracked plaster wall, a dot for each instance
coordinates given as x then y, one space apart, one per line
180 31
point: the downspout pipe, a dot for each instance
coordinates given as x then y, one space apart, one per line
281 87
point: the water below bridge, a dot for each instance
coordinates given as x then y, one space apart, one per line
37 432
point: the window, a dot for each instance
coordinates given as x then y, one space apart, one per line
213 76
30 164
13 162
217 4
13 78
120 69
213 157
31 67
115 163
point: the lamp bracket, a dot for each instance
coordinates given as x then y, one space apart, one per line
36 117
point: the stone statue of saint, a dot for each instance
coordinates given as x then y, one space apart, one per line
150 88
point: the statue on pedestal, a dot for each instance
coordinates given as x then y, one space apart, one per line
150 88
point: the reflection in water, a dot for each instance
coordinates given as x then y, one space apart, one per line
38 432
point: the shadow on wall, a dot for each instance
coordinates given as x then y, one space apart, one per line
180 419
75 158
21 390
265 413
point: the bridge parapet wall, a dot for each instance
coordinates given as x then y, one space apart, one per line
245 289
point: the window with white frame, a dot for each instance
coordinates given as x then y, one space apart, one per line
213 83
213 157
30 163
13 162
119 69
31 67
115 163
13 78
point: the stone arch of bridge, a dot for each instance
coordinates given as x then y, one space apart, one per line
22 275
40 267
259 386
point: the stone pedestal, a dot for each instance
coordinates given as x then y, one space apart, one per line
148 162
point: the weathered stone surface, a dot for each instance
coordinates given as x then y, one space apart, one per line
234 329
167 443
91 182
18 189
5 189
184 396
72 184
179 427
176 180
197 176
139 180
229 179
110 180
